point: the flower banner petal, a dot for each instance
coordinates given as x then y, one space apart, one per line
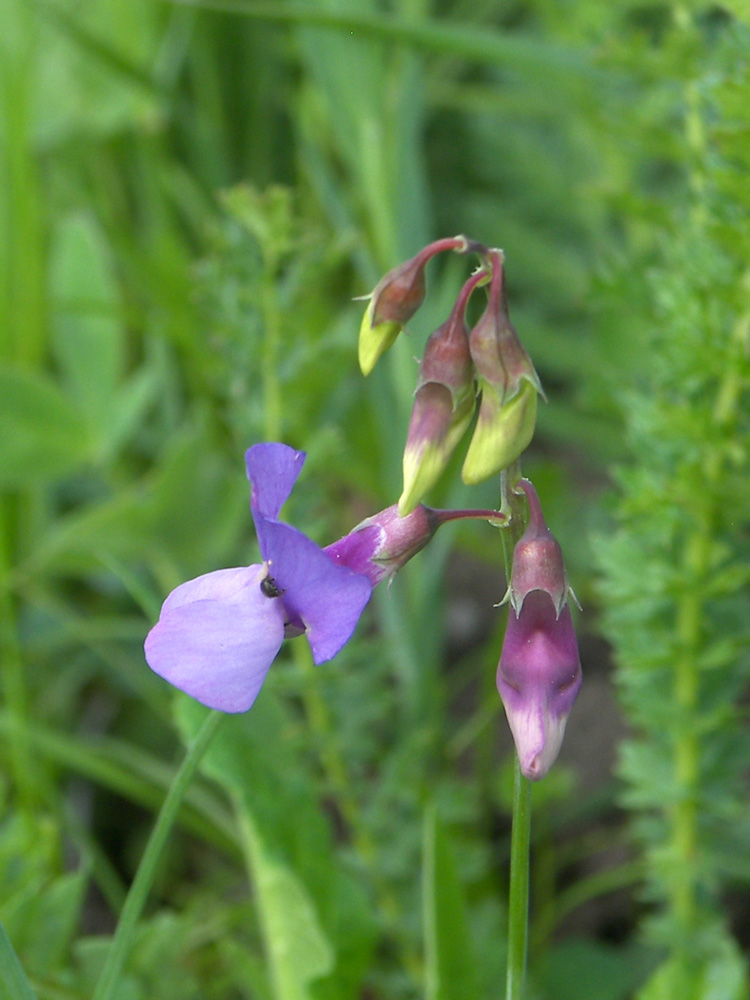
272 470
328 598
216 638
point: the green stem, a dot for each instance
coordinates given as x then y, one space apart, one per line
518 898
146 873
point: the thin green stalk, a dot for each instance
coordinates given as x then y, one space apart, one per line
146 873
518 897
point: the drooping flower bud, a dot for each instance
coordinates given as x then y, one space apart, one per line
380 545
443 403
539 674
395 299
508 383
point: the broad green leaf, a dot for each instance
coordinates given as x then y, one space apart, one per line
451 966
298 950
14 983
42 434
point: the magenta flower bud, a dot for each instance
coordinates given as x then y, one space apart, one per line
539 674
443 404
395 299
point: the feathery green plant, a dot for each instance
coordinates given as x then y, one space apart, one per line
675 574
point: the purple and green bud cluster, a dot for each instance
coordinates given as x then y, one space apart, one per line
459 366
218 635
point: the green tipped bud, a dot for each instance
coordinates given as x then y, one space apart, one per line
502 432
508 383
437 425
374 340
443 404
396 298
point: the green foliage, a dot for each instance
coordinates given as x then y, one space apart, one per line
675 572
191 195
450 960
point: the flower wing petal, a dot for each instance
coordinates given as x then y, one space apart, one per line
216 638
272 470
327 597
220 585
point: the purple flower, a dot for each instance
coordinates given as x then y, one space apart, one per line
539 674
218 635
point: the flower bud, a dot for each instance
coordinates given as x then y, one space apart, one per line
508 383
395 299
443 404
537 560
539 674
503 431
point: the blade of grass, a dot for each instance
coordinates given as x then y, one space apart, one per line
441 37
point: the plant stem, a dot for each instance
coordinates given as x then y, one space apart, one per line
146 873
518 897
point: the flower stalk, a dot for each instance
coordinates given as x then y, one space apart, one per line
518 894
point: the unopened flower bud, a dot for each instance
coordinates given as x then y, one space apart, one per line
443 404
537 560
508 383
539 674
502 433
395 299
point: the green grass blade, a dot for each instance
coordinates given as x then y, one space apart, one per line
480 45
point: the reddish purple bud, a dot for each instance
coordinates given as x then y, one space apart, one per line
537 560
496 351
395 299
444 402
539 674
508 385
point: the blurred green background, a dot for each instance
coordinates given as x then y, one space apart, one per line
191 194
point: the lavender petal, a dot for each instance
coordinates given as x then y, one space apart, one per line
217 636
